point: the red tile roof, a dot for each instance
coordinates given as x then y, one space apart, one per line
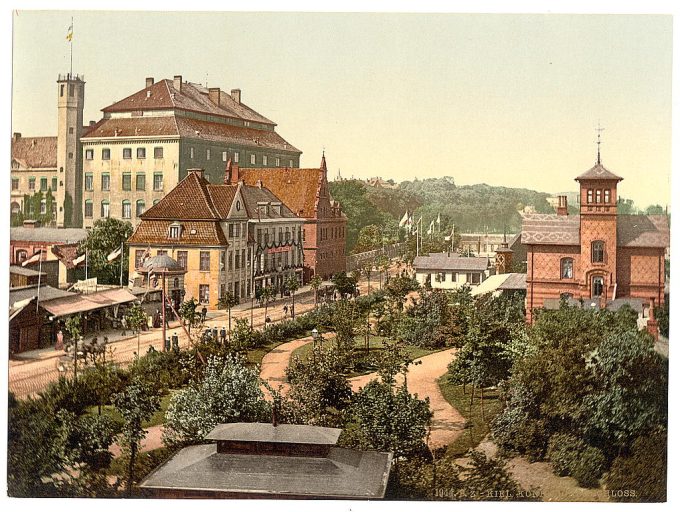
296 188
133 127
193 97
35 152
598 172
194 232
189 200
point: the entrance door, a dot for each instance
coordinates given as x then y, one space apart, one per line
598 286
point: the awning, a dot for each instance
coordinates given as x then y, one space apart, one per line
83 303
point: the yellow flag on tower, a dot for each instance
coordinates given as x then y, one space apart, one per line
69 33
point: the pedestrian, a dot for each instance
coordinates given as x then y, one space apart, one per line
204 312
223 334
215 333
175 342
59 345
285 311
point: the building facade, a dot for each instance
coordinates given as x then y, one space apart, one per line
306 193
52 165
598 255
444 271
228 238
144 144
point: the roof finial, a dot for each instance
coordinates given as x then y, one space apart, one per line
599 130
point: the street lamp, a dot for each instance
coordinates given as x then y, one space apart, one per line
316 338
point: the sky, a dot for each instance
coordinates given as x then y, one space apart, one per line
504 99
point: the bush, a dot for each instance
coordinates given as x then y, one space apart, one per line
571 456
589 467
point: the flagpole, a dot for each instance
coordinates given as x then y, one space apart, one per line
121 264
71 47
37 301
86 264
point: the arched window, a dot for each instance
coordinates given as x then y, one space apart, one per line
597 251
141 206
105 208
15 207
567 268
126 209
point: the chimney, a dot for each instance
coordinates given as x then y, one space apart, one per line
16 136
31 224
227 173
177 83
236 95
199 172
235 175
214 94
562 205
149 81
259 184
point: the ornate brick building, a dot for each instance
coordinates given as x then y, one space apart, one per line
305 192
597 256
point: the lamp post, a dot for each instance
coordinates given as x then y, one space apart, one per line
315 339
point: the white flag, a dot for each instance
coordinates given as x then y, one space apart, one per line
439 220
79 259
115 254
430 229
404 220
33 259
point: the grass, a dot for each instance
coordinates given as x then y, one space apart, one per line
363 361
477 427
157 419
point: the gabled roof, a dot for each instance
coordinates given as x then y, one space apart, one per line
442 261
133 127
193 97
189 200
254 195
27 292
296 188
194 232
642 231
550 229
598 172
35 152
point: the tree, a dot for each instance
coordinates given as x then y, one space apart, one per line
370 238
227 301
344 284
136 404
135 317
292 284
189 315
72 327
266 294
228 392
383 265
106 236
366 270
398 288
315 284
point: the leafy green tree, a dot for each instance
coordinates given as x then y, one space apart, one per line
292 284
370 238
135 317
344 284
73 328
228 392
136 404
227 301
106 236
189 314
398 288
315 284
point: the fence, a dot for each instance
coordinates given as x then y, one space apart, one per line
355 261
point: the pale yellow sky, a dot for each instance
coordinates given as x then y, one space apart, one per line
509 100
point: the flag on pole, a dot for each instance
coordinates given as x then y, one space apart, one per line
69 33
79 259
37 256
439 220
430 229
114 255
404 220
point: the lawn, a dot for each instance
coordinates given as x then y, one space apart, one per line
364 360
477 427
157 419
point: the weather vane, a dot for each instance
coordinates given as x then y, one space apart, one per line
599 131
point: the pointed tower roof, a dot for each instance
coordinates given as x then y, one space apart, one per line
598 172
323 161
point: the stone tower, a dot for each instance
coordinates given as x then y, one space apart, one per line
70 102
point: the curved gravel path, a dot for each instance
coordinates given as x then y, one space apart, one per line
447 423
274 364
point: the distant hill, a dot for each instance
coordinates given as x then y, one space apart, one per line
471 208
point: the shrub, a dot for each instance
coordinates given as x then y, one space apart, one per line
571 456
589 467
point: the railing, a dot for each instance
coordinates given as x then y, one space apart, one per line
355 261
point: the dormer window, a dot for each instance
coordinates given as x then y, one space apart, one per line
276 208
175 230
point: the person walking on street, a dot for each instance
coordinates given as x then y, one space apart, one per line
59 345
223 335
204 312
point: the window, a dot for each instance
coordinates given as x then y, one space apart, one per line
454 277
231 231
158 181
89 154
264 160
127 181
174 231
191 153
140 182
89 181
15 183
161 252
141 152
70 155
105 209
567 268
474 278
43 184
182 257
204 293
158 152
54 184
43 207
598 286
290 163
204 261
598 196
141 206
126 209
70 129
88 208
139 254
71 89
106 154
127 153
61 90
278 161
224 156
106 181
606 196
236 157
22 256
230 257
589 198
252 159
597 251
207 154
